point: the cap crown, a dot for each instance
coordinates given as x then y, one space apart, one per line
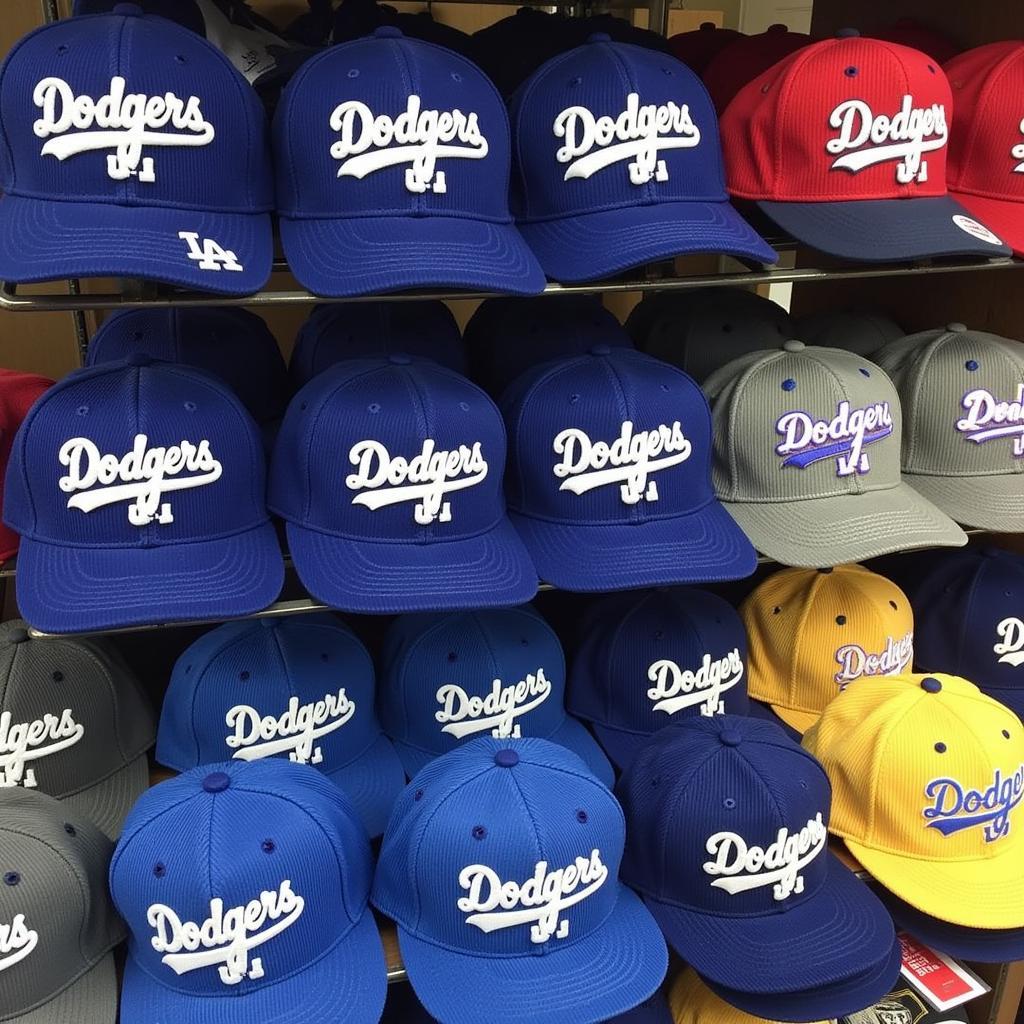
57 921
611 125
539 832
726 816
131 110
128 455
280 835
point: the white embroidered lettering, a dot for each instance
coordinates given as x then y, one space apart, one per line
989 417
1010 646
17 940
209 255
462 714
22 742
676 688
1017 152
843 438
856 662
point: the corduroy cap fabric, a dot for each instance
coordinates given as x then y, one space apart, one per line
692 1002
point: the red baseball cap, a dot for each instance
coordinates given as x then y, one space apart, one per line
986 145
697 48
745 58
908 32
18 392
843 145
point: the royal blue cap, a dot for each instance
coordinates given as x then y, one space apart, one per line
505 336
266 918
617 162
452 677
609 476
189 204
184 12
300 688
504 885
388 474
138 490
727 842
652 658
362 330
392 171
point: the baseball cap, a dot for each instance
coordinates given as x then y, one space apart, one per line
452 677
698 47
807 444
650 659
745 58
863 331
138 491
266 919
300 688
388 475
910 32
360 330
835 188
608 479
59 927
692 1002
913 748
392 164
726 824
74 724
813 632
963 448
18 391
595 191
184 12
510 50
532 842
133 149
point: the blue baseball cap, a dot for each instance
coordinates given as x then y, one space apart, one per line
424 328
132 148
616 163
452 677
507 336
727 842
650 659
392 171
969 620
500 867
266 918
388 474
300 688
609 475
138 491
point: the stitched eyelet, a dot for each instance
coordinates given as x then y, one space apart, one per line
159 870
58 676
353 72
789 384
582 817
940 748
12 878
268 846
244 675
479 832
971 365
190 406
729 803
70 829
418 795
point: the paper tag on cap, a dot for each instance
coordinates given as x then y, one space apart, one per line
942 981
976 230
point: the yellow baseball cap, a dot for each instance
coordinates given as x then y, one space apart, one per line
927 781
812 632
692 1002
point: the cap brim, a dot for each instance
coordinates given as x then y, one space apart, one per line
597 245
819 532
367 255
72 590
881 230
798 721
1004 217
489 570
347 985
654 1010
593 978
42 240
703 547
983 502
767 714
372 781
107 803
91 999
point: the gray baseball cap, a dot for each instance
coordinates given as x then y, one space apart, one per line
861 331
807 458
74 724
57 924
963 442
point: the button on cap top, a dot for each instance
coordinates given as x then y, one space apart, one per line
730 737
388 32
931 685
793 345
506 759
216 782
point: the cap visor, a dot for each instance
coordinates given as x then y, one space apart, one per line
984 502
699 548
651 1011
1005 218
107 803
819 532
42 240
372 781
72 590
619 745
92 999
366 255
590 979
573 735
766 714
879 230
347 985
490 570
598 245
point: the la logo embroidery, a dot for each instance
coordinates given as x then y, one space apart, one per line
843 438
676 688
540 901
856 662
121 121
745 867
989 417
17 940
463 714
1010 646
226 937
1017 152
209 255
955 807
22 742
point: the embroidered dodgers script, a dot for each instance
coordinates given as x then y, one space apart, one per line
23 742
1010 645
17 940
843 438
955 807
856 662
676 688
989 417
462 713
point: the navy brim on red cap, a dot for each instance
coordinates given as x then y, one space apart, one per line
372 781
367 255
597 245
73 590
594 978
880 230
42 240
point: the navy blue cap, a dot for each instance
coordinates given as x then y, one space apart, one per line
452 677
184 12
649 659
609 476
617 162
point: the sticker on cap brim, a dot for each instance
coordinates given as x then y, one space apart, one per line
976 230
